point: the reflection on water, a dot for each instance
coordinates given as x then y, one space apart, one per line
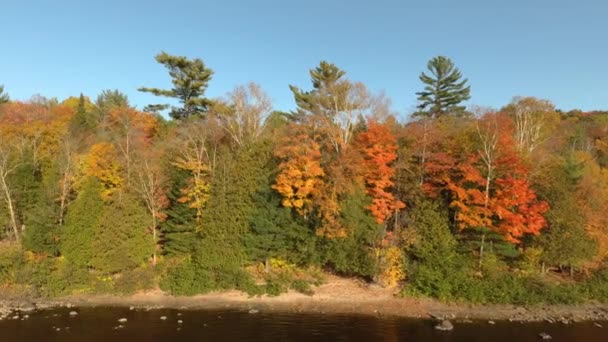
101 324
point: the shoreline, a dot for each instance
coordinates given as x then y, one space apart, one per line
338 296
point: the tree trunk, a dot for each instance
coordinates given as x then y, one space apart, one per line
11 209
154 224
483 240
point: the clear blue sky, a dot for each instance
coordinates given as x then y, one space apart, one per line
553 49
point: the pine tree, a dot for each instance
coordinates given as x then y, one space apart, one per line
4 98
274 232
220 255
444 90
190 78
121 240
38 210
352 254
328 93
80 223
179 229
84 120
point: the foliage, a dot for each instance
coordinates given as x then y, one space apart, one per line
444 90
80 224
120 238
189 78
502 207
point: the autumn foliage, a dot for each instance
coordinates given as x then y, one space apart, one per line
379 146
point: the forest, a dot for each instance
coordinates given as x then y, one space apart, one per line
459 203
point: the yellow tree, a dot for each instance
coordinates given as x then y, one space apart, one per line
300 178
101 163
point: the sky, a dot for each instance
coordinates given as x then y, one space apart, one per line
551 49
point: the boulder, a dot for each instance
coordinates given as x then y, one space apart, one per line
444 325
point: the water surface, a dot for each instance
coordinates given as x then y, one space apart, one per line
101 324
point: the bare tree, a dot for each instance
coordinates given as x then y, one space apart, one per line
7 167
488 137
531 117
150 184
244 119
68 169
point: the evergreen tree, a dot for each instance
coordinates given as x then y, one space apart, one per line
220 256
36 209
352 255
444 90
82 219
120 240
179 229
84 120
190 78
274 232
566 242
329 93
4 98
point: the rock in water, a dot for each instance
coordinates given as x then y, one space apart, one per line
445 325
254 311
27 307
73 313
163 318
491 322
122 320
544 336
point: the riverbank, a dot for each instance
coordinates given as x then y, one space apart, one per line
336 296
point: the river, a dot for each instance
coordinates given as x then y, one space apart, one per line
101 324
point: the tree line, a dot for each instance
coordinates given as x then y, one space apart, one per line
486 205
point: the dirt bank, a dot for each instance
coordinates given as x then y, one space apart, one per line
342 296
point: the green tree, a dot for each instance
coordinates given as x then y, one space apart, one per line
85 119
190 78
353 255
80 223
444 90
38 209
4 98
566 242
327 95
121 240
274 232
220 255
110 99
179 229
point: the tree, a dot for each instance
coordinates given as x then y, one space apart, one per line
275 233
110 99
444 90
244 114
120 239
195 152
335 105
533 118
7 167
379 148
300 176
101 163
179 230
150 185
84 119
81 221
352 253
190 78
4 98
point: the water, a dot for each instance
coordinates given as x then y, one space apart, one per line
98 324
